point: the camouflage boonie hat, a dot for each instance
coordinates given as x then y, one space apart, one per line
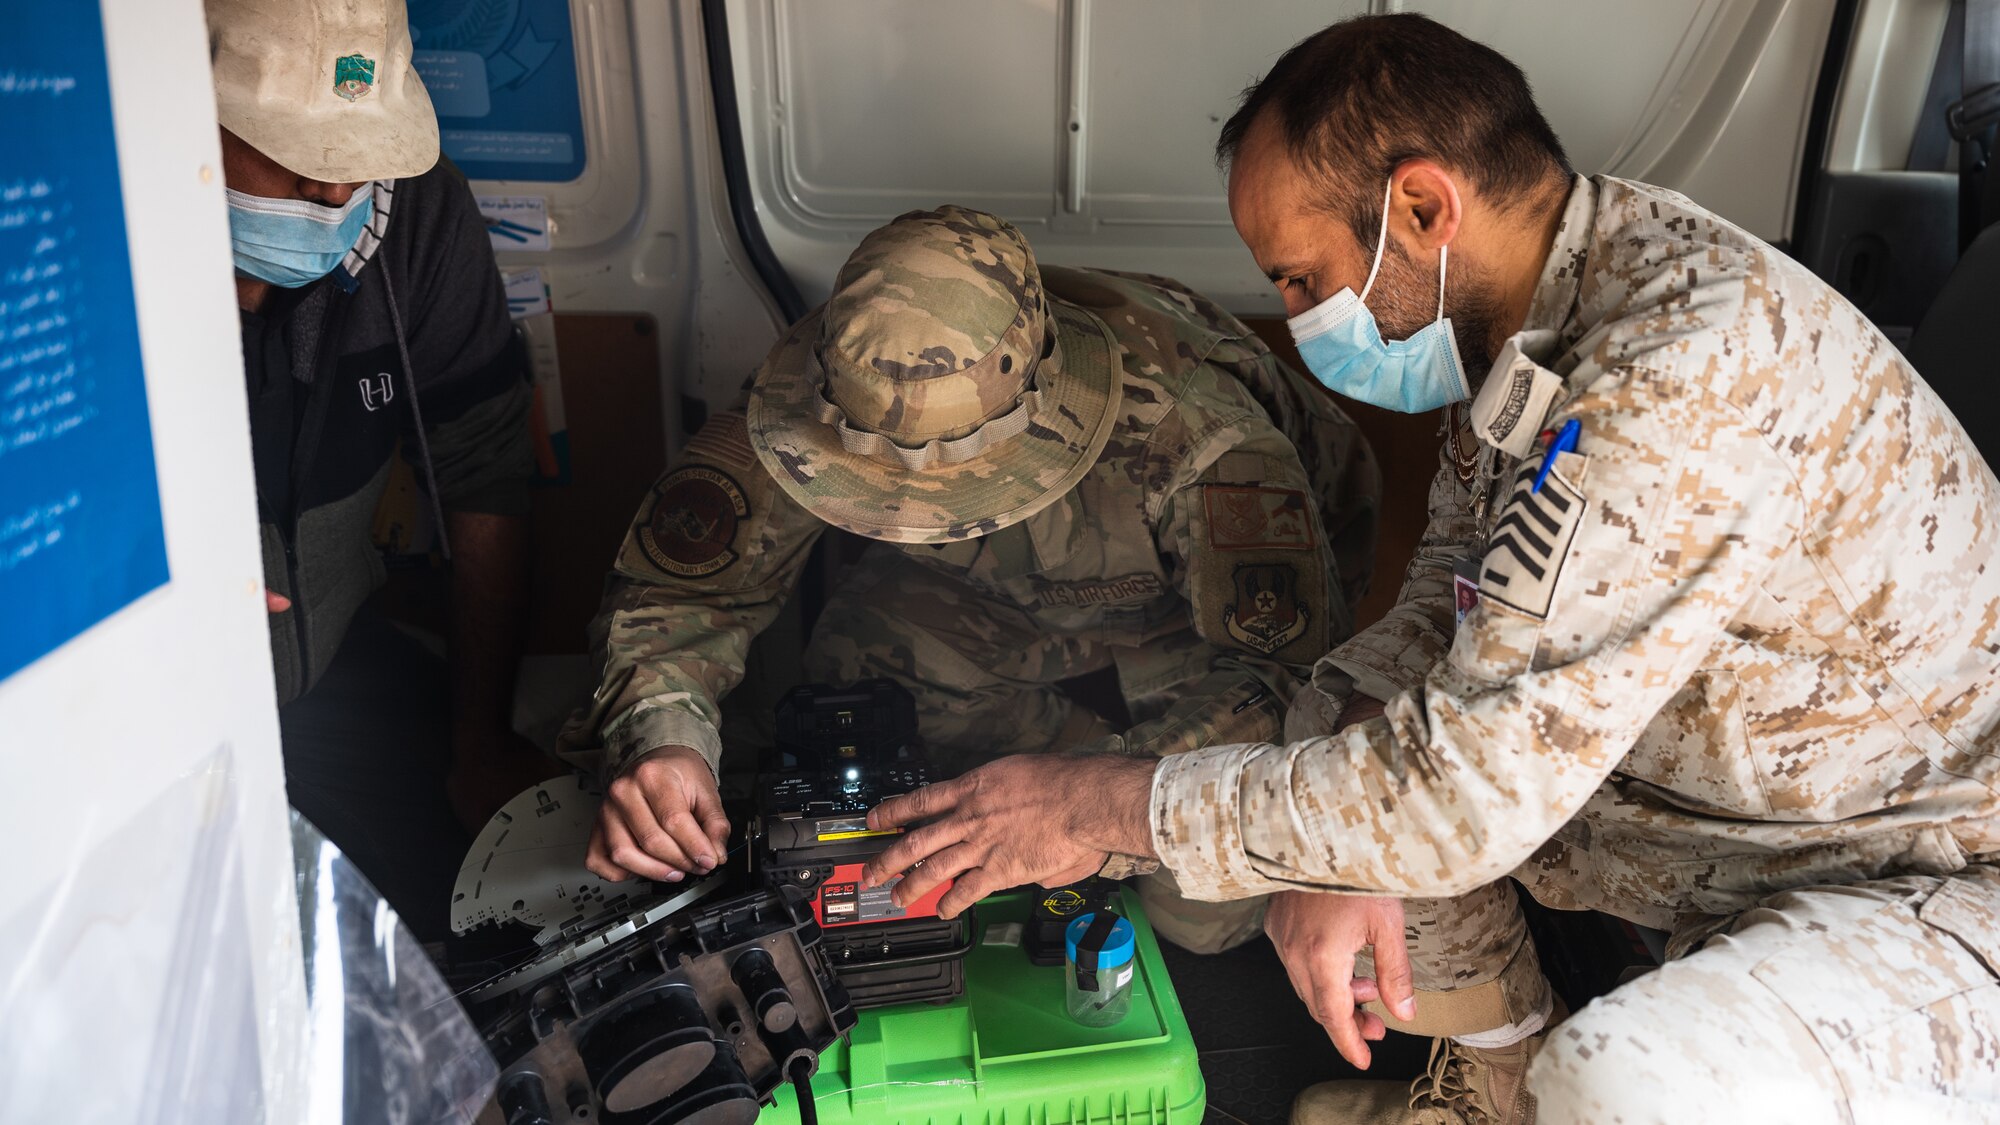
945 395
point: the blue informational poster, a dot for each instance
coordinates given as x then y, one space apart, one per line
80 531
502 76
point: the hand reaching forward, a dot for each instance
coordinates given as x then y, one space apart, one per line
1317 936
1031 818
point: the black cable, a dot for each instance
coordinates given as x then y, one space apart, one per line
416 411
801 1077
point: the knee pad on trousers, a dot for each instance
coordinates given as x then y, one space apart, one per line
1519 992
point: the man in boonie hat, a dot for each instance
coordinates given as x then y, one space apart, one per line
371 310
1064 472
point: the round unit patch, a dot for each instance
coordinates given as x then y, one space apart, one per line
694 521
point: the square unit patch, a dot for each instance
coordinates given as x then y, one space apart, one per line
1243 518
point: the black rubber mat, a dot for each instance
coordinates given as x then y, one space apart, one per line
1258 1044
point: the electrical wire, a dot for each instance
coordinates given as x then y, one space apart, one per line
801 1076
416 412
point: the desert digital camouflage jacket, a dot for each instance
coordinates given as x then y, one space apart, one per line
1199 511
1745 638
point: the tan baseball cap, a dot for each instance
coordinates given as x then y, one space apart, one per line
940 393
323 87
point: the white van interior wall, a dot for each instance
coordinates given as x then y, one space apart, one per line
1091 122
645 229
654 323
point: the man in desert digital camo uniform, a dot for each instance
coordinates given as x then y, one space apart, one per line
1064 471
1729 660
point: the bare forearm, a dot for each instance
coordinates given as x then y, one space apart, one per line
1111 811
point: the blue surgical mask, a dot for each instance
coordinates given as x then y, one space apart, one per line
1344 349
295 242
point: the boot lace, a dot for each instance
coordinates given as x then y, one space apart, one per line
1448 1086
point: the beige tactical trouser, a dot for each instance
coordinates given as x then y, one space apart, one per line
1472 961
1875 1001
987 683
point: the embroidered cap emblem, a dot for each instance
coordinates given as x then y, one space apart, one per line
353 76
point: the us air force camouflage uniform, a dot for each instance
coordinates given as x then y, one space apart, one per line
1172 530
1734 671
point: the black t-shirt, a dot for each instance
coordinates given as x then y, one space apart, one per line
329 400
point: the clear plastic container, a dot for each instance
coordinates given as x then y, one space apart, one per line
1098 968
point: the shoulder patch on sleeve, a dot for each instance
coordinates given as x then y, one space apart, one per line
1525 553
1247 518
1266 613
724 441
691 531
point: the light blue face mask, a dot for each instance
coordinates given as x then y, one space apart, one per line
1344 349
295 242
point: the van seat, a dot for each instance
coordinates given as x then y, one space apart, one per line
1957 347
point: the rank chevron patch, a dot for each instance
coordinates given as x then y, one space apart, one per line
1525 552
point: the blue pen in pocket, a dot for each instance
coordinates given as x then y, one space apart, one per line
1565 443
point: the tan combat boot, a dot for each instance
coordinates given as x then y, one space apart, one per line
1462 1086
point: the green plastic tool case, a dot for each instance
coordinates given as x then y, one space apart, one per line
1006 1053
